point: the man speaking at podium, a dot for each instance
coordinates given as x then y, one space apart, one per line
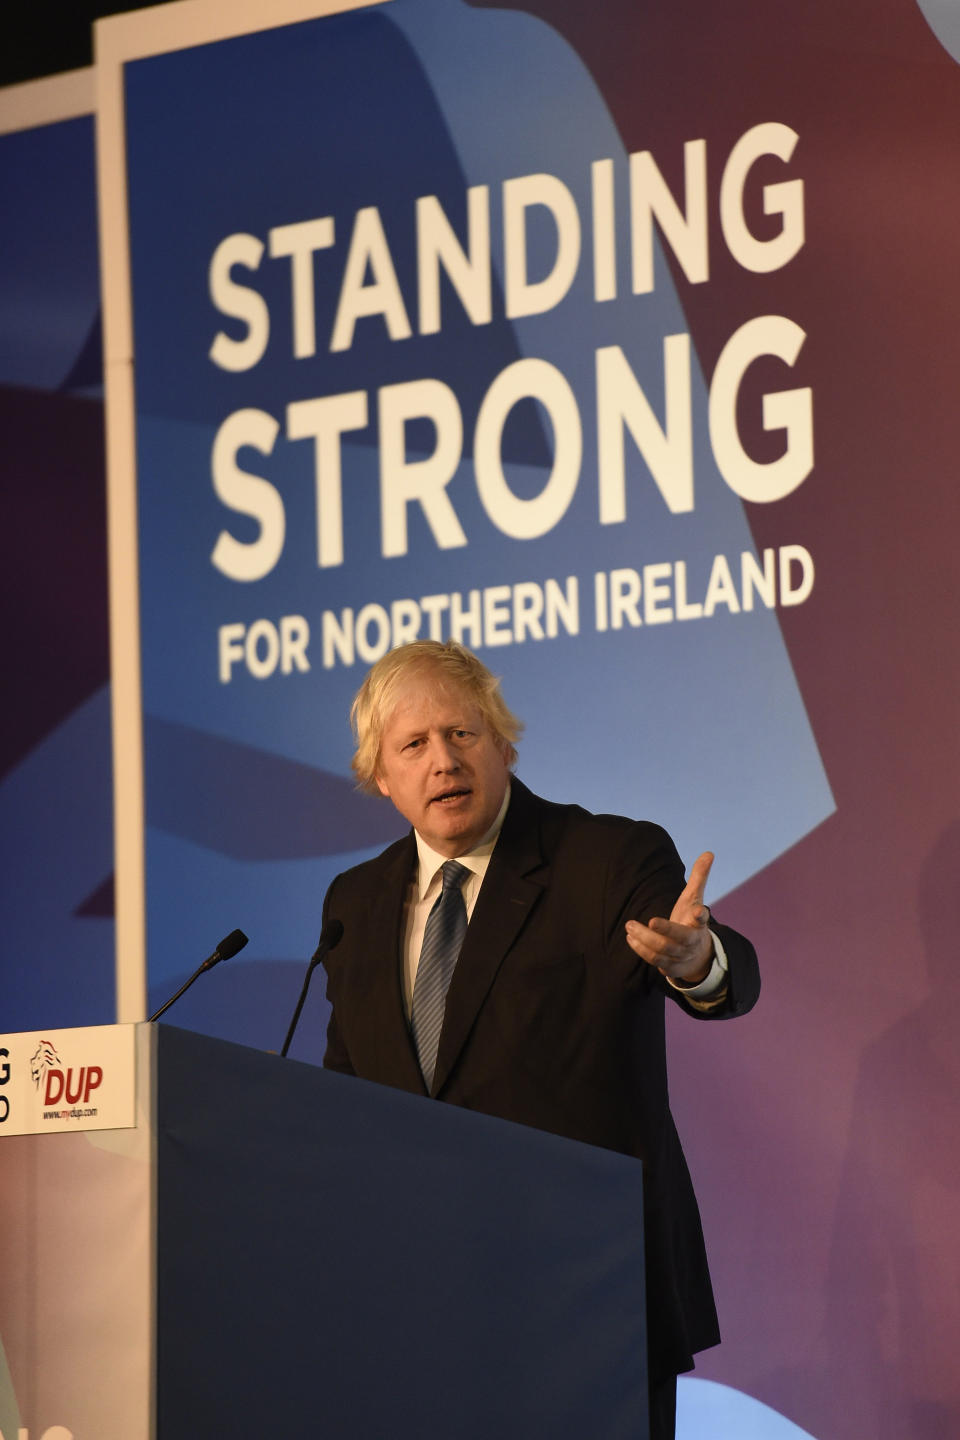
513 956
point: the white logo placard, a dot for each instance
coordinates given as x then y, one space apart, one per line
53 1080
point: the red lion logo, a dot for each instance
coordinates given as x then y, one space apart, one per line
43 1060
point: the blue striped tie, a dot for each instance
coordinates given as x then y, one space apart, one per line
442 943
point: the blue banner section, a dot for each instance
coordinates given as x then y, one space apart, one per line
402 369
49 271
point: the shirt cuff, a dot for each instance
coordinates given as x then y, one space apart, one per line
709 991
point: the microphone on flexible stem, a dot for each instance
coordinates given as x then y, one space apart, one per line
227 948
330 937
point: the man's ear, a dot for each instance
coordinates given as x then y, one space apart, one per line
382 786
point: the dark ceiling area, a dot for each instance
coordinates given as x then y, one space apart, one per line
49 38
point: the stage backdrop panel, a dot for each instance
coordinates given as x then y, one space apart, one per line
339 447
625 350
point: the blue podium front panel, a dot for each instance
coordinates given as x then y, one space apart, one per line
340 1259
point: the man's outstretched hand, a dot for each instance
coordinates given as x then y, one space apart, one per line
681 948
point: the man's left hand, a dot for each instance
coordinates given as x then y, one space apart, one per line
681 948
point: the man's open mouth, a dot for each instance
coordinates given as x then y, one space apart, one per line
449 796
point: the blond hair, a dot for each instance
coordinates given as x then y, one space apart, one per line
449 665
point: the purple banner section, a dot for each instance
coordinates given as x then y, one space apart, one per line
830 1186
56 792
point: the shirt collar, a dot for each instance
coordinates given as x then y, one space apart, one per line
477 859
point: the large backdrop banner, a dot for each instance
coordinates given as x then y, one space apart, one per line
621 344
411 360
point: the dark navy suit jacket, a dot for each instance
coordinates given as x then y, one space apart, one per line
551 1019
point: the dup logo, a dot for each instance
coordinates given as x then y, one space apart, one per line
4 1080
55 1083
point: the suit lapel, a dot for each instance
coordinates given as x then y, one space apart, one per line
393 1060
514 882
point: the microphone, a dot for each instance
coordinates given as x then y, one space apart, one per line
330 937
228 947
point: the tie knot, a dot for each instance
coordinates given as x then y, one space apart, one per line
453 873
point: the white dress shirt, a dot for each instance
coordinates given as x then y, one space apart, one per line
426 886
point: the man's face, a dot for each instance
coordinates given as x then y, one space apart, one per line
441 766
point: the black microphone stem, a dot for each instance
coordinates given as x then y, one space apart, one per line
331 936
185 986
228 947
296 1014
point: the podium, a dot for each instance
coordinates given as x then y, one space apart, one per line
274 1250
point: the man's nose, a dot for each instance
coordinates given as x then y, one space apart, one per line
444 755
